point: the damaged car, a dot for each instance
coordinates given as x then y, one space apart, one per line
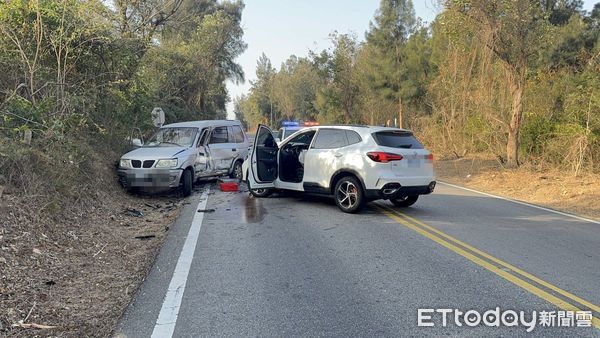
181 153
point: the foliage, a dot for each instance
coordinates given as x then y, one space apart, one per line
514 78
72 66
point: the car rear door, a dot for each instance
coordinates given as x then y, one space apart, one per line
324 156
221 150
238 138
263 161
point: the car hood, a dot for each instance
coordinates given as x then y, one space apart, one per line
153 153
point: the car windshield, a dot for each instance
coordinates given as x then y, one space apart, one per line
288 132
173 137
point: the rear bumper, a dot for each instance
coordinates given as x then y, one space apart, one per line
149 178
395 190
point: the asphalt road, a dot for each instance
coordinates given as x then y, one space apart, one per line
295 265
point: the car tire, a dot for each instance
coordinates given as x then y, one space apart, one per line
260 192
132 190
236 171
349 195
186 183
405 201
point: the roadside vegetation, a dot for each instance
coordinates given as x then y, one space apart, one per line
75 78
81 74
516 80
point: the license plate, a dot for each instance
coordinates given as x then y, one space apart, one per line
413 161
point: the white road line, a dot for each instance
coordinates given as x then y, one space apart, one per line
167 318
523 203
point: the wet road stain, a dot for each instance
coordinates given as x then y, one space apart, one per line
253 211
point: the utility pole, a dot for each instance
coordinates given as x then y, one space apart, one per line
271 114
271 104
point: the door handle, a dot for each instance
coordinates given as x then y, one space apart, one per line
338 155
233 149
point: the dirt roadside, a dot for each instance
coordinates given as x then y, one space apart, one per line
550 188
78 273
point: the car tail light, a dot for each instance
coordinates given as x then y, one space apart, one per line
379 156
429 157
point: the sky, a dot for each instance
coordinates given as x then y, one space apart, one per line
280 28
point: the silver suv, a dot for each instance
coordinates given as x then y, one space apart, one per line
180 153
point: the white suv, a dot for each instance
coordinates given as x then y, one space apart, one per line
355 164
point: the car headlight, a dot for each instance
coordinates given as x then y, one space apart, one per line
125 164
172 163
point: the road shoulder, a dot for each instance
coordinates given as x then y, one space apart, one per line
552 189
146 305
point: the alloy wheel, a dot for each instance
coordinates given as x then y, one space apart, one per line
347 195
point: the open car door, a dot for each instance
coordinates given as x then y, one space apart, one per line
263 161
203 165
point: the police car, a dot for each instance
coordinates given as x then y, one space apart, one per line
290 127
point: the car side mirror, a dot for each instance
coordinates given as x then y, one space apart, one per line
136 142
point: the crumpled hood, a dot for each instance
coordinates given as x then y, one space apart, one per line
153 153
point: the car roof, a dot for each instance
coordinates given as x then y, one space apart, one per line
202 124
359 127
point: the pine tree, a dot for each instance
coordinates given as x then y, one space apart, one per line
394 23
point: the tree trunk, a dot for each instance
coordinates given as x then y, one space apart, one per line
347 116
400 112
516 83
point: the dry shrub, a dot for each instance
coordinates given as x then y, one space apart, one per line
55 177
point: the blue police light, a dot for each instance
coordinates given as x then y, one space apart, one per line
290 124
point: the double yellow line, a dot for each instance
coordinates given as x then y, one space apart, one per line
561 298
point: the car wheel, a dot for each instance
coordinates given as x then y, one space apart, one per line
132 190
405 201
349 195
260 192
187 182
236 172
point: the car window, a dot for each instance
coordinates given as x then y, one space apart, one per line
266 139
219 135
397 139
230 135
238 135
353 137
331 139
203 136
288 132
304 138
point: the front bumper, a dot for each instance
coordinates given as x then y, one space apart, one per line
395 190
150 178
